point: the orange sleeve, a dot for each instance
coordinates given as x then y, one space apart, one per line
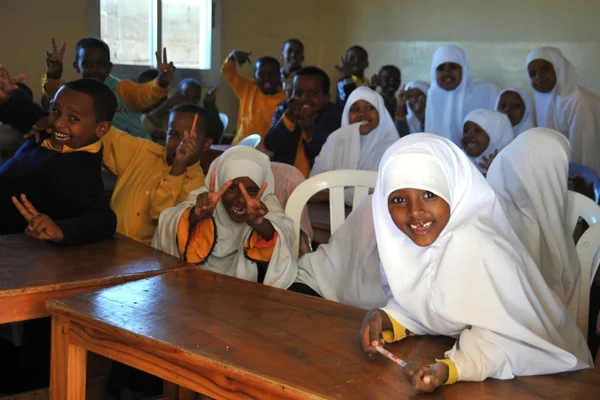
195 246
239 84
140 97
259 249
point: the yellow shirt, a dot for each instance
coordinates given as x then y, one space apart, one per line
256 109
144 187
90 148
399 332
301 162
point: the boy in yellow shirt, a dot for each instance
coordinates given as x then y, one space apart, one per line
258 98
92 60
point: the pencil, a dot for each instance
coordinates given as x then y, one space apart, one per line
194 124
392 357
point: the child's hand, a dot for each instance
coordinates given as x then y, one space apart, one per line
344 68
294 105
255 208
54 61
165 69
486 161
207 202
425 378
241 57
188 151
374 322
7 84
211 96
374 82
40 225
39 130
401 109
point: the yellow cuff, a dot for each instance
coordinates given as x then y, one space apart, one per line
400 118
398 333
452 371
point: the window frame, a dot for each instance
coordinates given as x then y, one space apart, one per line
206 77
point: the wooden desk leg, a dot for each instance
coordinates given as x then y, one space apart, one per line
59 358
77 363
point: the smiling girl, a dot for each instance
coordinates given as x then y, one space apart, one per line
517 106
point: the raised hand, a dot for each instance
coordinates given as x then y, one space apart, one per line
425 378
165 69
207 202
486 161
374 82
40 225
211 95
401 109
294 106
39 130
188 151
255 208
7 84
54 60
344 68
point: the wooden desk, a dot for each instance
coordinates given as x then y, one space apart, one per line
318 214
229 338
32 271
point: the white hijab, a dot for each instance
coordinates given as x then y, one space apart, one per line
228 255
497 126
346 148
476 282
414 124
346 269
530 179
569 109
446 110
527 122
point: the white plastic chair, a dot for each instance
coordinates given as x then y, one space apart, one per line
579 205
224 120
335 181
250 141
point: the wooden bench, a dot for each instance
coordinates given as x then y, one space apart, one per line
228 338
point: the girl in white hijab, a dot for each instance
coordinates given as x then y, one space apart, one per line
530 179
453 266
367 131
486 132
236 226
416 99
454 93
346 269
562 105
516 104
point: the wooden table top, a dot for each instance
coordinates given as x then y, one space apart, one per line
288 344
30 267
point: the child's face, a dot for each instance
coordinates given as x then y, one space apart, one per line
419 214
179 122
448 76
415 97
365 112
358 60
309 90
389 81
72 118
192 93
513 106
474 140
267 78
234 201
292 55
542 75
93 63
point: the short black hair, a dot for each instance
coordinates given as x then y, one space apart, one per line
105 101
298 41
25 88
359 49
392 67
268 59
91 43
191 82
315 71
194 109
148 75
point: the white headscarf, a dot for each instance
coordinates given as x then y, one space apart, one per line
569 109
497 126
446 110
530 179
476 282
527 122
346 148
346 269
228 254
414 124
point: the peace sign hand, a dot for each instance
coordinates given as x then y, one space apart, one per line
241 57
211 96
40 226
344 68
401 109
54 60
165 69
486 161
374 82
188 151
7 84
207 202
255 208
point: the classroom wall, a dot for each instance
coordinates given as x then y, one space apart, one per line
496 35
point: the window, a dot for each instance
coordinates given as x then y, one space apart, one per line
135 29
